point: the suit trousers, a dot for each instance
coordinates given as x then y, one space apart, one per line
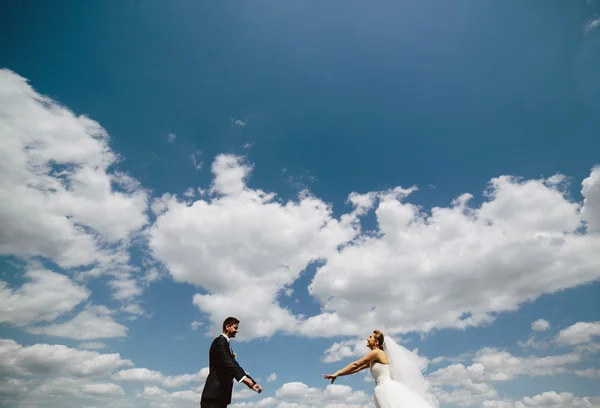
212 403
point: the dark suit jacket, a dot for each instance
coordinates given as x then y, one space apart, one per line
223 369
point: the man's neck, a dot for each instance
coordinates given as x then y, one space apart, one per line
225 335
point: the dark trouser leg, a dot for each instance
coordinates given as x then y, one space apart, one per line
212 403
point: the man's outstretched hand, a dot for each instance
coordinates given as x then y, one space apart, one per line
254 386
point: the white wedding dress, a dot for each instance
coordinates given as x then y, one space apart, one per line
390 393
401 384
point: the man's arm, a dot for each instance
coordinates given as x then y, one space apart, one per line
226 360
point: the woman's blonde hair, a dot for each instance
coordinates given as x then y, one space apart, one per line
379 337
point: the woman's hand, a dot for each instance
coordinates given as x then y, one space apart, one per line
330 377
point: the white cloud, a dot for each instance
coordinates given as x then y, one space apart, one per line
471 394
54 166
238 122
540 325
243 393
125 288
135 310
77 387
588 373
263 403
591 25
46 296
300 395
55 360
195 325
550 399
156 396
457 266
522 242
591 204
145 375
60 198
102 388
56 375
171 137
473 385
94 322
533 343
491 365
92 345
578 334
72 392
196 162
272 377
248 237
455 359
345 349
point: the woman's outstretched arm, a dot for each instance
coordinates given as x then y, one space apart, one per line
355 366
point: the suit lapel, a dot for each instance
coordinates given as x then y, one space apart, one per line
228 345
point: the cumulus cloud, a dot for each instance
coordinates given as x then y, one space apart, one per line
92 345
589 373
492 365
66 386
94 322
452 267
474 384
56 375
244 244
457 266
56 181
550 399
272 377
591 203
470 394
289 395
61 197
55 360
540 325
43 298
578 334
533 343
345 349
298 394
145 375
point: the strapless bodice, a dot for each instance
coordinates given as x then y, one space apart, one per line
380 372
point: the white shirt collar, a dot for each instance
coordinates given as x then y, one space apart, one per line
224 335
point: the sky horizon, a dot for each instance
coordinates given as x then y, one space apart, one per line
317 170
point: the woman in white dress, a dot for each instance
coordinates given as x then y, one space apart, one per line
399 382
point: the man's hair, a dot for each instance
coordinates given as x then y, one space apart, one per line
230 321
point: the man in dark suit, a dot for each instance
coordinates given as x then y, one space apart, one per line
224 369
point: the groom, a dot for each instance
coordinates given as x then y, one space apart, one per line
224 369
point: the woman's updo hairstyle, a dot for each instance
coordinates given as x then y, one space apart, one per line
379 337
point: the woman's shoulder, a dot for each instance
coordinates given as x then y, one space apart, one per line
383 359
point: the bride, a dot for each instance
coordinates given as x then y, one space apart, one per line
399 382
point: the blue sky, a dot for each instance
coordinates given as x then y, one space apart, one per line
162 217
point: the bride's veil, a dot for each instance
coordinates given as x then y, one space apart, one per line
407 367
